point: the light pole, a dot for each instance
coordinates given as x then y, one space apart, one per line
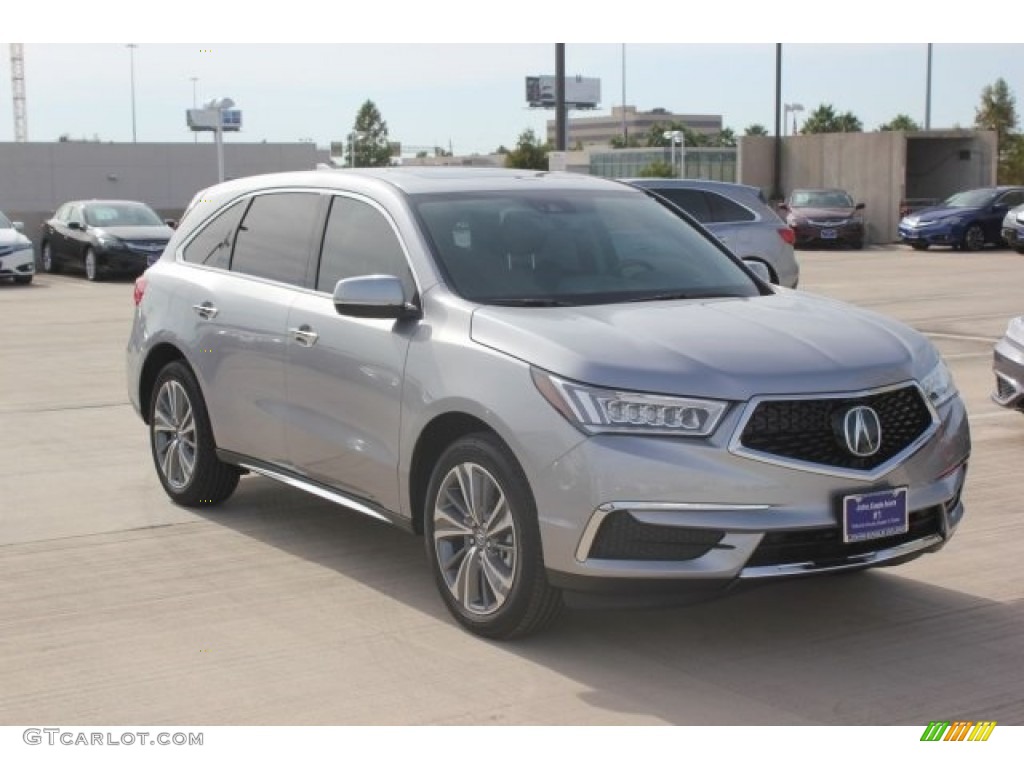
673 137
131 57
794 108
218 106
352 138
195 103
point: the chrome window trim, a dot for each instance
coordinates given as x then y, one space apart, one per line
737 448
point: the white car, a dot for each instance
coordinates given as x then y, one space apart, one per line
17 257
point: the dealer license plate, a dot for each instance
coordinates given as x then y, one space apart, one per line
828 234
874 515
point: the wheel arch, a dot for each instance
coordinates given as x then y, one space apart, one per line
158 357
437 435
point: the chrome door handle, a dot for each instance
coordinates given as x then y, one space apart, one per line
206 310
304 335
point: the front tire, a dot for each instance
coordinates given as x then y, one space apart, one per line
23 279
973 239
919 246
50 264
181 441
483 542
91 266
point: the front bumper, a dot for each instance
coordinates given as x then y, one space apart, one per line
20 263
824 234
1008 367
122 261
674 514
930 235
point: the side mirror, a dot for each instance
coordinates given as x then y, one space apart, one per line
172 223
19 226
75 225
379 296
759 268
783 206
859 207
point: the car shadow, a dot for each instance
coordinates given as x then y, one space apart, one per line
872 647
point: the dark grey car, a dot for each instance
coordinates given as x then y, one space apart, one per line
739 217
556 379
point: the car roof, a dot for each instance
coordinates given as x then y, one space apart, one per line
419 179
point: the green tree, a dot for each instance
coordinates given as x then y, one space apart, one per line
725 138
658 169
997 111
755 130
368 144
825 119
900 123
529 153
1011 160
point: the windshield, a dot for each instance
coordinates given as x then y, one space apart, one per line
972 198
5 223
549 248
121 215
820 198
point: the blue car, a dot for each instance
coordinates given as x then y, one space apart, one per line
967 221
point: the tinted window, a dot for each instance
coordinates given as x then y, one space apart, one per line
212 246
538 248
1012 198
724 209
360 241
275 235
690 200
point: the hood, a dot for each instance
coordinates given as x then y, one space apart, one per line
937 212
732 349
11 236
155 232
822 213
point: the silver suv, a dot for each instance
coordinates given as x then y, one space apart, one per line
558 381
739 217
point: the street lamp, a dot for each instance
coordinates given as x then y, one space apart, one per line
794 108
219 105
131 56
352 139
673 137
195 103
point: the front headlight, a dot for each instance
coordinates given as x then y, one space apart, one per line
1015 330
594 409
951 220
793 221
26 246
108 241
938 385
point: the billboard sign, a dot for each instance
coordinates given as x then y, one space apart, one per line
206 119
580 92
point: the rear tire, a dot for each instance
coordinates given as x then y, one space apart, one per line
181 441
483 542
1019 248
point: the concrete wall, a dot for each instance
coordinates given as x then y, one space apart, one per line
36 177
879 169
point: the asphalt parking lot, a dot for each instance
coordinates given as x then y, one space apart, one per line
118 607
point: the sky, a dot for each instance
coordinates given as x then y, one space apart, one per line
452 73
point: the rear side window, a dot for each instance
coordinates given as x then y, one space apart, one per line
692 201
360 241
724 209
275 236
212 246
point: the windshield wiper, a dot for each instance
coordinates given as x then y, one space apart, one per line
530 302
699 295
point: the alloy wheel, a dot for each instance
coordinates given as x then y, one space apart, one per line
974 238
174 435
90 264
475 539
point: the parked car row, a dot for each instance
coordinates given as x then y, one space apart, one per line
103 237
967 221
17 258
564 383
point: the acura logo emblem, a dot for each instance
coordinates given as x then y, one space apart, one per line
863 431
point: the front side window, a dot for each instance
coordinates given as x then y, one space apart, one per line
275 237
547 248
212 246
359 241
